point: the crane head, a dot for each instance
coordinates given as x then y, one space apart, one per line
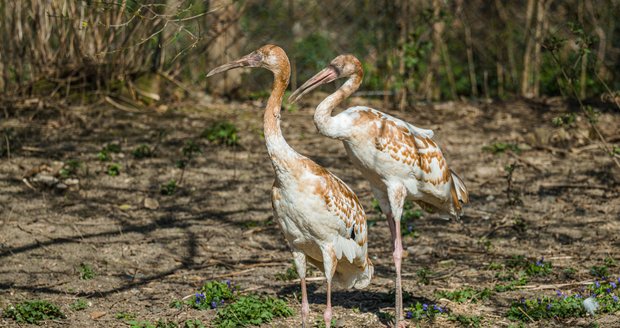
269 56
341 66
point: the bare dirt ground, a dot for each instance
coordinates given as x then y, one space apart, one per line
564 205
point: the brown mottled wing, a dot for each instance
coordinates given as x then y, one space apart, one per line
409 148
342 202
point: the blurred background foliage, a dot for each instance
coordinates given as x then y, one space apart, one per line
153 51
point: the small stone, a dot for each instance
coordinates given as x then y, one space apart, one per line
61 186
72 182
124 207
447 263
97 314
339 322
151 203
45 179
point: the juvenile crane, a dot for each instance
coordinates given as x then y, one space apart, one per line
399 160
320 216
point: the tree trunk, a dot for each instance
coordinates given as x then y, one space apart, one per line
525 76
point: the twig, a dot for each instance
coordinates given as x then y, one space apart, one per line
524 161
577 186
310 279
520 309
8 147
121 107
552 286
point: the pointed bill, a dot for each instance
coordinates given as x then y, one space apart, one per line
251 60
327 75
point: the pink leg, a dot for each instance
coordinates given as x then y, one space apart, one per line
305 307
327 315
398 256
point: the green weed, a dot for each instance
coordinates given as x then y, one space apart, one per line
213 294
288 275
320 323
599 271
223 133
104 154
419 311
33 312
142 151
473 321
501 147
466 294
125 316
565 305
423 275
114 169
251 310
86 271
70 168
79 305
168 188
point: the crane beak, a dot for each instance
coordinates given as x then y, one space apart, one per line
251 60
327 75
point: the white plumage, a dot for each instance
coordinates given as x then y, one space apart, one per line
399 159
321 218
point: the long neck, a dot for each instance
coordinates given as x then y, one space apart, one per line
277 147
323 114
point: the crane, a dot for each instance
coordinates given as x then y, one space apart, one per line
399 159
321 218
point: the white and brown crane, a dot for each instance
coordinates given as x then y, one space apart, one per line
320 216
400 160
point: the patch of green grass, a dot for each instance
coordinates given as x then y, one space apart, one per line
569 273
33 312
566 120
495 266
168 188
288 275
114 169
419 311
189 150
70 168
251 310
125 316
223 133
610 262
86 271
473 321
142 151
565 305
466 294
320 323
532 268
512 281
212 295
193 323
599 271
423 275
104 154
79 305
501 147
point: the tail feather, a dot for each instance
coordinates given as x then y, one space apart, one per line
461 190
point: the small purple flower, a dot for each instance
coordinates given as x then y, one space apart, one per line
613 285
222 302
615 298
540 262
408 315
539 301
522 300
597 284
213 304
549 306
228 283
608 291
410 228
200 297
619 280
425 307
559 293
577 295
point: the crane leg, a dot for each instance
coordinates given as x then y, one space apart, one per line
329 264
300 265
397 195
